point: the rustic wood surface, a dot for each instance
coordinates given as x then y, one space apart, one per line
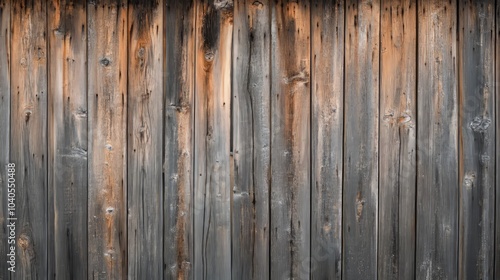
67 136
107 133
476 93
327 98
242 139
398 102
437 142
4 127
28 138
360 196
251 147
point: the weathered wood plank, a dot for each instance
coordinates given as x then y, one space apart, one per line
212 208
4 131
67 136
437 159
179 26
290 139
327 74
360 202
251 146
107 122
145 140
397 144
28 135
476 94
496 267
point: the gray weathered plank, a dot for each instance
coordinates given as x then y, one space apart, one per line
290 139
360 202
251 139
179 26
327 89
67 136
107 122
28 135
145 140
212 201
476 94
496 265
4 130
397 144
437 158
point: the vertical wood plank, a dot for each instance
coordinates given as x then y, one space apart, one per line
396 254
5 6
327 20
67 124
212 208
179 36
28 135
496 265
290 139
251 139
360 202
107 122
437 159
144 140
476 137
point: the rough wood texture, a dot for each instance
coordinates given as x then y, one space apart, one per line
398 101
437 159
251 147
327 31
145 140
4 129
360 202
212 201
67 134
107 123
496 265
290 140
179 36
476 138
28 135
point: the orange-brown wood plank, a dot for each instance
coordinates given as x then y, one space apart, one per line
107 134
145 140
397 144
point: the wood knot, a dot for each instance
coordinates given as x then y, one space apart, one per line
480 124
105 62
24 241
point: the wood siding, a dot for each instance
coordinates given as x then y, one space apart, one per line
241 139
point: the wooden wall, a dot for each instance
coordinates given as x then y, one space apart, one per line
270 139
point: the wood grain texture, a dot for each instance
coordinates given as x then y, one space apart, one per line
145 140
437 142
360 202
290 140
179 32
107 122
496 265
28 135
5 130
212 201
67 136
251 147
476 138
327 74
398 101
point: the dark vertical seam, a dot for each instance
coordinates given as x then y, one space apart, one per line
193 141
125 265
163 127
377 222
456 74
311 116
47 173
